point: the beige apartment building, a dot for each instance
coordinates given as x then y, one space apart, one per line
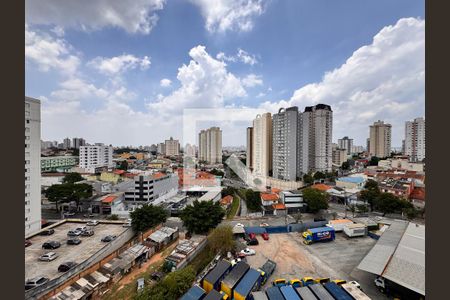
262 144
210 145
380 139
249 158
172 147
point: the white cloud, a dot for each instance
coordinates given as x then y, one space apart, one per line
252 80
133 16
383 80
50 53
165 82
223 15
119 64
241 55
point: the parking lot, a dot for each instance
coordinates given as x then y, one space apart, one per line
75 253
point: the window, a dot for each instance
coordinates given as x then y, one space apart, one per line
28 121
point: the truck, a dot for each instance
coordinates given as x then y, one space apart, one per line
250 282
305 293
355 230
354 291
274 293
279 282
289 293
307 281
320 292
232 279
260 295
336 291
320 234
194 293
215 295
338 225
212 280
267 270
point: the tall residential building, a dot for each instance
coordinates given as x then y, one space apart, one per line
189 150
78 142
32 165
172 147
316 135
161 148
66 143
249 158
380 139
262 144
339 156
286 137
346 143
414 145
96 157
153 148
210 145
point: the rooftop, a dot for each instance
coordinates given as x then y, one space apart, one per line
269 197
321 187
355 179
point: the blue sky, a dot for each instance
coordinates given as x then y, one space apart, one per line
98 65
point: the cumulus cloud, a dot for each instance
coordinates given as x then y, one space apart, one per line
383 80
241 56
224 15
165 82
133 16
252 80
119 64
50 53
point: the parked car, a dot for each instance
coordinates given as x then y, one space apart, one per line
263 225
73 233
49 256
253 242
28 243
66 266
88 232
51 245
356 284
108 238
34 282
127 224
81 228
248 251
252 236
48 232
69 214
74 241
240 225
92 223
265 236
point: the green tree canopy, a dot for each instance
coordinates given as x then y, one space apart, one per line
216 172
319 175
308 179
221 239
123 165
345 165
315 199
229 190
147 217
253 200
389 203
200 217
72 178
374 161
66 192
371 185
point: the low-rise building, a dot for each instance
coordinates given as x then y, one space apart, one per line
152 188
293 201
401 188
58 163
351 182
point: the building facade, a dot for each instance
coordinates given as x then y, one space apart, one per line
249 156
262 144
189 150
58 163
96 157
77 142
32 165
414 145
347 144
339 156
153 188
380 139
67 143
210 145
161 149
172 147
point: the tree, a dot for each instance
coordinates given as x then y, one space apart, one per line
253 200
147 216
66 192
200 217
80 191
362 208
216 172
352 209
308 179
345 165
411 213
123 165
57 193
319 175
298 217
371 192
221 239
315 199
371 185
72 178
389 203
374 161
113 217
229 190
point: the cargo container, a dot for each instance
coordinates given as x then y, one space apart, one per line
305 293
320 292
320 234
261 295
354 230
307 281
289 293
213 295
354 291
251 281
194 293
212 280
267 270
232 279
274 293
338 225
336 291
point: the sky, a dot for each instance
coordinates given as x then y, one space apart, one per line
125 72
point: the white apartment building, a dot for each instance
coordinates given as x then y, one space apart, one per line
249 156
32 165
94 158
189 150
346 143
172 147
153 189
415 139
379 143
210 145
262 144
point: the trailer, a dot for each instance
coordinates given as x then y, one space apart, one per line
321 234
214 295
232 279
194 293
338 225
259 296
267 270
354 230
251 281
320 292
336 291
274 293
289 293
212 280
355 292
305 293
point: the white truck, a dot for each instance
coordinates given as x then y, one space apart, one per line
354 230
338 225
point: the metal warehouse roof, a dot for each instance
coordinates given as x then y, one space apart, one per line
218 271
236 274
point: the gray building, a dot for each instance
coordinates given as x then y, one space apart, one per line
249 157
66 143
77 142
346 143
153 188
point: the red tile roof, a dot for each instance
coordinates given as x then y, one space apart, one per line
226 200
119 172
269 197
279 206
158 175
418 193
275 190
321 187
109 199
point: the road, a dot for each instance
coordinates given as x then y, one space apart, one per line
243 207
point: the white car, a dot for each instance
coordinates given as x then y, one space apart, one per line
356 284
240 225
92 223
49 256
81 228
248 251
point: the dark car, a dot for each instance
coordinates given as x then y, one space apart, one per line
253 242
34 282
51 245
48 232
73 241
319 219
28 243
108 238
66 266
88 232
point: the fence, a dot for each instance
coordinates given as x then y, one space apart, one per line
285 229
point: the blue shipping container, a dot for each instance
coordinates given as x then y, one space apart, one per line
337 292
274 293
194 293
289 293
251 280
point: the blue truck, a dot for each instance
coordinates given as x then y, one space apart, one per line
320 234
289 293
336 291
